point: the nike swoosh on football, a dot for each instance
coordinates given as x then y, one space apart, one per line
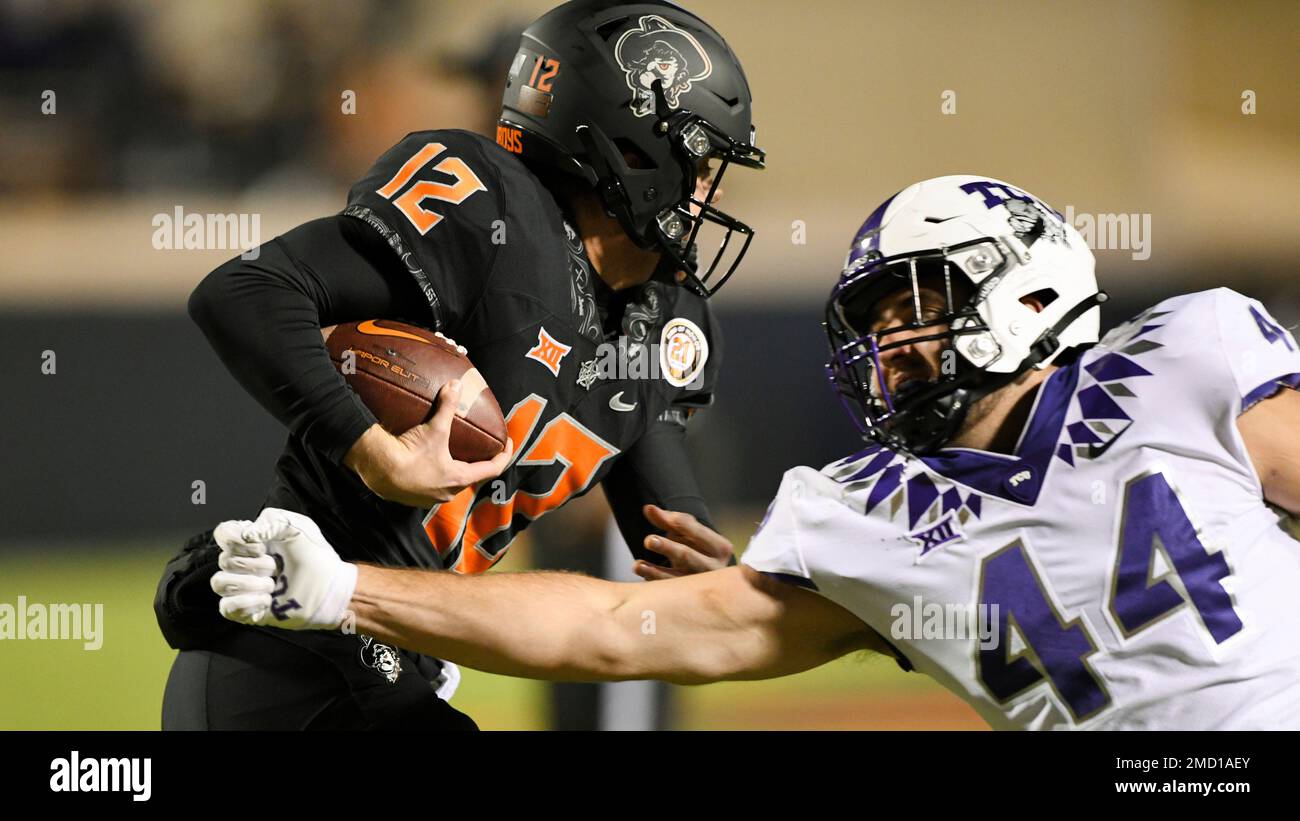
371 329
616 403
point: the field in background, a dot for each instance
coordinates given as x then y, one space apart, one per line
59 685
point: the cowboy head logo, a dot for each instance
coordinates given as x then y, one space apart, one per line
658 50
381 658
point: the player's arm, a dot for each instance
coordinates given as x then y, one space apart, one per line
263 317
735 623
1260 361
1271 431
653 493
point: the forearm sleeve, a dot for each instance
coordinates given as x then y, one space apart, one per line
657 471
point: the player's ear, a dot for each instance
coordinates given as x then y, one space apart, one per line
1039 300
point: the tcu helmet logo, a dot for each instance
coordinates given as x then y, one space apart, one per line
1029 217
658 50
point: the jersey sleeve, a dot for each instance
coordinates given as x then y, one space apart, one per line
657 471
690 354
775 547
263 318
698 393
436 198
1259 354
812 538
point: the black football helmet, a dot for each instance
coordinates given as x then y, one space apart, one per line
630 99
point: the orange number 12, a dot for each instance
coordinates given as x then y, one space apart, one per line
564 440
466 183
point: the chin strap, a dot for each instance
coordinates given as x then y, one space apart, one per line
1049 342
600 156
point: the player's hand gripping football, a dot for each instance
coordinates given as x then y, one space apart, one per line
689 546
417 468
280 572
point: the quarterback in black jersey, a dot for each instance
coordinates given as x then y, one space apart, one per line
563 257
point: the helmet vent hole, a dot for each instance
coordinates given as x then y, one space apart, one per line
608 30
632 155
1045 297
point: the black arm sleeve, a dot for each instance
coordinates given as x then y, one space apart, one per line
655 471
263 317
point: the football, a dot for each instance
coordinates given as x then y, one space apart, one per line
397 369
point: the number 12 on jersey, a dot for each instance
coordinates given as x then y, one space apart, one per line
464 183
471 532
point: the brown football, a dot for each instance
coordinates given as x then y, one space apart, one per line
397 369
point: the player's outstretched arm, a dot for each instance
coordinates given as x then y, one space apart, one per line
734 623
1271 431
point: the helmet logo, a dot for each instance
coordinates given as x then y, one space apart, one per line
658 50
1029 217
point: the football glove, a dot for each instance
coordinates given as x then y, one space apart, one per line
280 572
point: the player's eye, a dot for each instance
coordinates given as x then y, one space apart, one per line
883 324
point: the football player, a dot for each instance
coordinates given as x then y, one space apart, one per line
563 256
1109 509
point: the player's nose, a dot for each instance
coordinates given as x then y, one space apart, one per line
702 185
900 355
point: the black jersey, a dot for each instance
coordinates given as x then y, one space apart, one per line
582 373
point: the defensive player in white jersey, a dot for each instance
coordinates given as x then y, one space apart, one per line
1112 511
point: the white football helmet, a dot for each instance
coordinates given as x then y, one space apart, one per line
1006 244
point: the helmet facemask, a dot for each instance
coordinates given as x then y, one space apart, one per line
696 141
658 207
1028 292
915 415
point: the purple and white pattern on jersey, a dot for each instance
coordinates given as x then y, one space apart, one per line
1102 419
925 497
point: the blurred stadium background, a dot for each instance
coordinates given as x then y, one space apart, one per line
239 107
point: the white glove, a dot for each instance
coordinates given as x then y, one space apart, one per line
280 572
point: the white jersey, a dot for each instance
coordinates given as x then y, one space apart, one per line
1140 580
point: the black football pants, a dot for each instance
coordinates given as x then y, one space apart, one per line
259 679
